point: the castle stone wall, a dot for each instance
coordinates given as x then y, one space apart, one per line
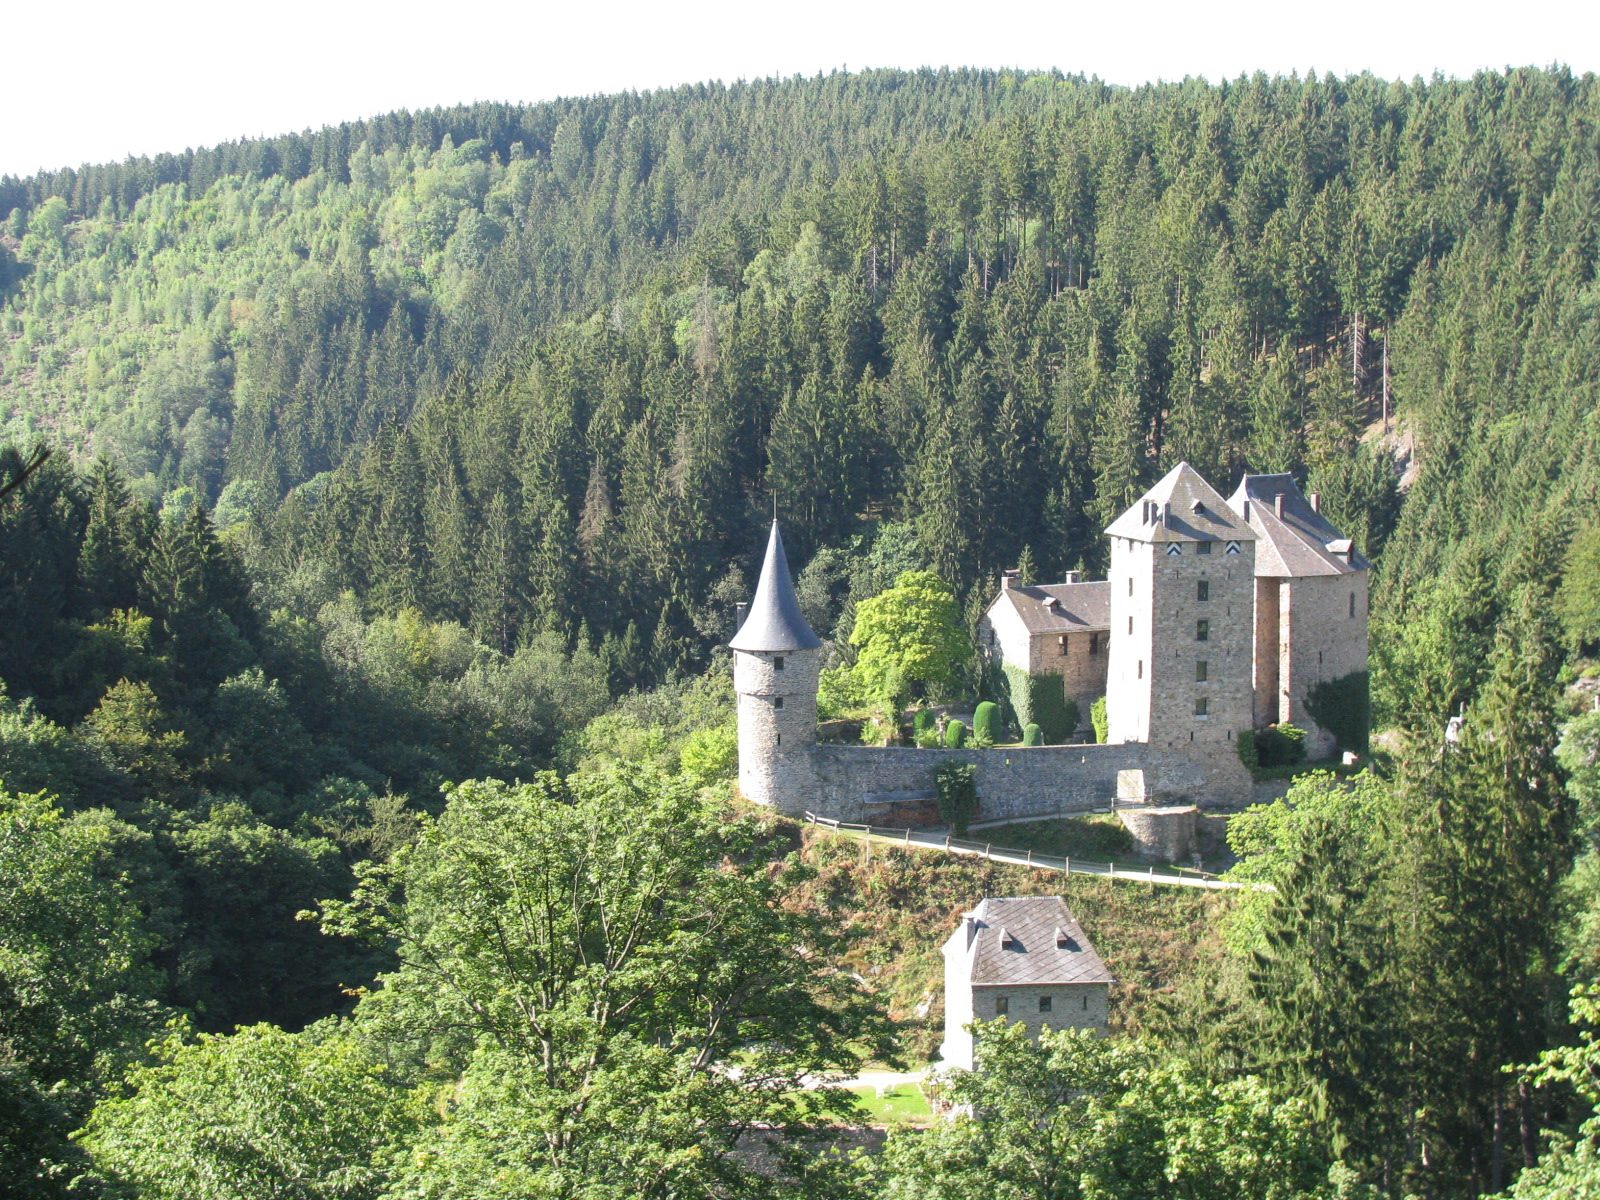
1164 833
1324 624
863 783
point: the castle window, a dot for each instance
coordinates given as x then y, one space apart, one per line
1086 1002
1002 1005
1203 548
1044 1003
777 739
777 702
1130 585
1130 624
1141 668
1202 631
1200 706
1200 671
1352 604
777 663
1063 640
1094 644
1202 590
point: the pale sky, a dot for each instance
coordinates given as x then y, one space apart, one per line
95 81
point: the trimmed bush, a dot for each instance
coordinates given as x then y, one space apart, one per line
1281 746
955 735
921 723
1098 718
1041 700
1246 742
986 723
956 785
1032 735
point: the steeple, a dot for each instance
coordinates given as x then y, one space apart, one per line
774 623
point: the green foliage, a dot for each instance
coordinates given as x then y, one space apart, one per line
1578 752
911 638
955 784
653 952
1569 1167
1097 718
1577 599
1032 735
986 723
1077 1115
1281 745
955 735
252 1114
1245 744
710 755
1041 699
1343 707
922 721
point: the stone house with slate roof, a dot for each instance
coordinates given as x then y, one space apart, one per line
1024 958
1052 629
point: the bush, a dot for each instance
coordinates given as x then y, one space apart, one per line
1032 735
1041 700
1246 742
957 787
955 735
1281 745
928 739
986 723
1343 707
1098 718
921 723
710 754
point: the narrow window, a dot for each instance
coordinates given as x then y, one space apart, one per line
1086 1002
777 702
777 663
1200 671
1094 644
1130 585
1141 668
1044 1003
1352 604
1203 590
1130 625
777 740
1200 706
1202 631
1203 548
1002 1005
1063 640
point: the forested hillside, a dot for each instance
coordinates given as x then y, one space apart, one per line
403 461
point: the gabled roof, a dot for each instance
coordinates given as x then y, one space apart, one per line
1023 940
1183 507
774 622
1079 607
1300 543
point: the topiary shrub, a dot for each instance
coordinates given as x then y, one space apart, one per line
986 723
1281 745
956 785
1032 735
1246 742
1098 718
921 723
955 735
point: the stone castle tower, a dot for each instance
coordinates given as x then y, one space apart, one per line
1182 595
776 660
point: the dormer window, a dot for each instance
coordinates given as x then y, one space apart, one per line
1063 939
1007 941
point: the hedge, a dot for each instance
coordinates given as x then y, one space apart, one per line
1032 735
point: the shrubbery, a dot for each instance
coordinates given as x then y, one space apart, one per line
955 735
1343 707
957 786
1098 718
1281 745
1246 742
986 723
1032 735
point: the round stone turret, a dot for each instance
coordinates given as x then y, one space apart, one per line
776 660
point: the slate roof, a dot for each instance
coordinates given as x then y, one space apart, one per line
1080 606
1302 542
1186 509
774 622
1015 944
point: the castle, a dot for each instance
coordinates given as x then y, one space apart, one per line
1218 617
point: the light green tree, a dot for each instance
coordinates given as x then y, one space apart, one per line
910 639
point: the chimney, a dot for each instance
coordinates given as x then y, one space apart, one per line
1316 502
1063 939
1277 505
1006 939
1073 577
969 926
1246 513
1007 578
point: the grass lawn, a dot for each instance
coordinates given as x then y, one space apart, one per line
903 1104
1098 837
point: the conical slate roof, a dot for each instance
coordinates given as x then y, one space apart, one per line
774 623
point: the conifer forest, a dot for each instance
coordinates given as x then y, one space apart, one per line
375 507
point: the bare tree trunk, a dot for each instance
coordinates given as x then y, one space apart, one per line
1385 381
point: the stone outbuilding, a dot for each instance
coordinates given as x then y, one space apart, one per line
1024 958
1310 606
1052 629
